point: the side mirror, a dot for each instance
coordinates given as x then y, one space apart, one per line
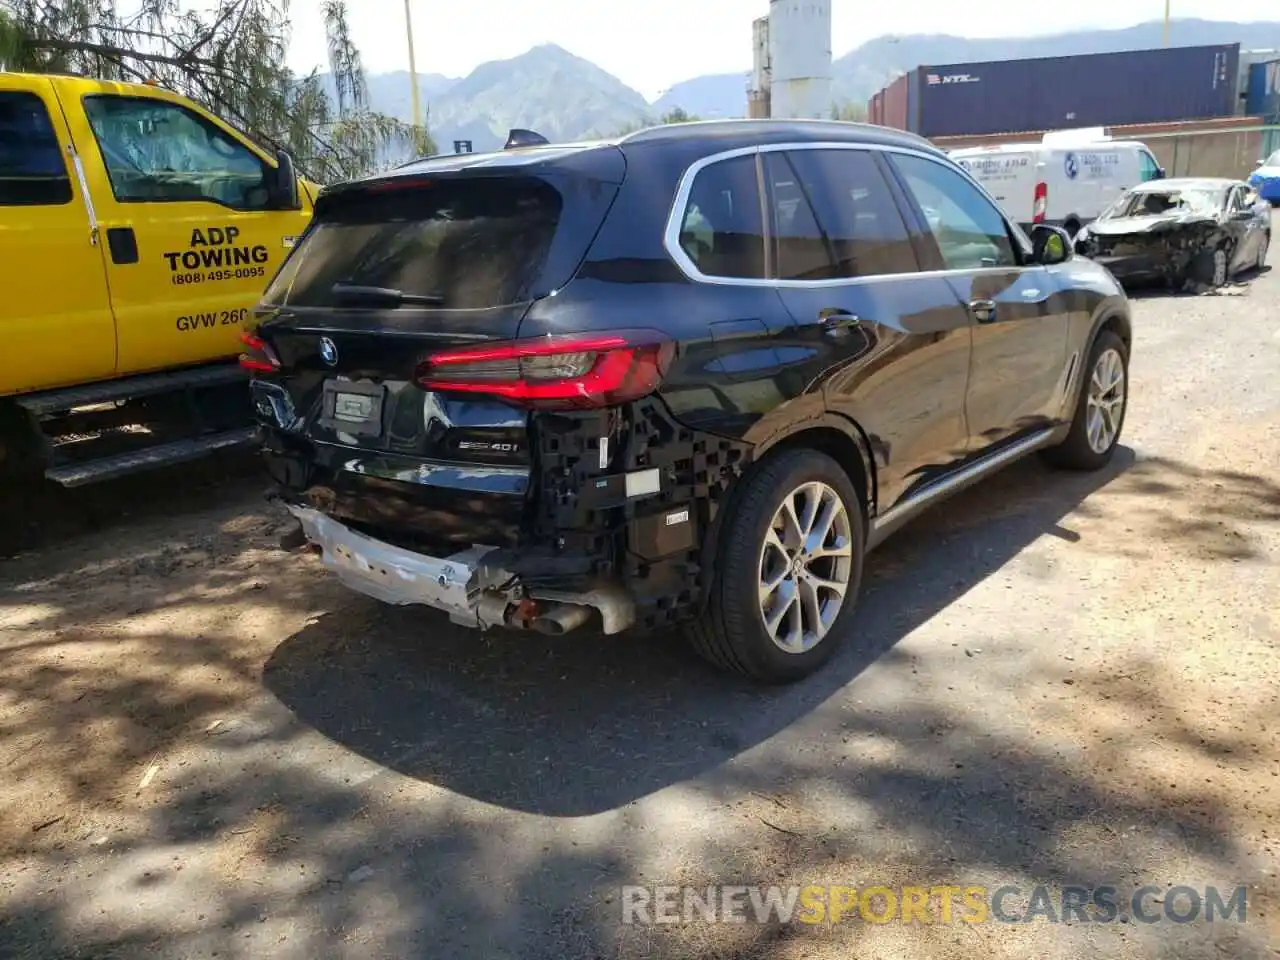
1050 245
284 183
1160 173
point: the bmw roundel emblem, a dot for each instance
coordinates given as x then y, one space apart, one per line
328 351
1071 166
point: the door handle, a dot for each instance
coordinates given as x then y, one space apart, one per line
123 244
984 311
833 320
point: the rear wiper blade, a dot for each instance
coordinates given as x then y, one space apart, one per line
384 296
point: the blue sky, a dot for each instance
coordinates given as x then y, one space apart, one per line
651 44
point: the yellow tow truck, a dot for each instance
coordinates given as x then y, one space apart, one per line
136 232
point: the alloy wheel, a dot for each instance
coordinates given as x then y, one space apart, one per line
1219 267
1106 400
805 565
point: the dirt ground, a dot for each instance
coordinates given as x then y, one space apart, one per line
209 749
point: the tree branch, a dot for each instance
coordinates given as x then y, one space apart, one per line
113 52
208 35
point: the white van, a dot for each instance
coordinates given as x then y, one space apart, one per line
1066 180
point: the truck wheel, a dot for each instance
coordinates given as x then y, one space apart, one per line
1100 408
789 566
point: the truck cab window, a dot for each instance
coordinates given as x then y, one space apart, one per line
158 152
1149 168
32 169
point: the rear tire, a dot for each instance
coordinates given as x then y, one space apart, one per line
768 570
1100 408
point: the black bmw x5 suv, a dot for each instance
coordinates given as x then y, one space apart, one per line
687 376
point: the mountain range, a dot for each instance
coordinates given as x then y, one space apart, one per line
565 97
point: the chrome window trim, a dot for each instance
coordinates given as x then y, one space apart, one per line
675 218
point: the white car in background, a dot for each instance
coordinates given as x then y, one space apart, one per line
1066 180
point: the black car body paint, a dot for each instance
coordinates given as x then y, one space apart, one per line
893 374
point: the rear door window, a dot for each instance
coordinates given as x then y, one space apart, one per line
801 250
462 244
860 226
722 231
32 169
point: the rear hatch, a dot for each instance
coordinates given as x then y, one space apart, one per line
396 270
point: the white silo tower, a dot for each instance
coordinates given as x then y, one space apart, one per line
758 91
800 59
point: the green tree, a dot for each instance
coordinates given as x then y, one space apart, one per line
678 115
229 56
849 110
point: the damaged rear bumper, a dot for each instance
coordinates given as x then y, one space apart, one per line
473 592
619 514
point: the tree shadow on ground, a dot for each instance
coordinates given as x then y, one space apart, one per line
260 839
589 723
35 513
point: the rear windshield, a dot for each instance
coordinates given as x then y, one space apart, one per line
467 244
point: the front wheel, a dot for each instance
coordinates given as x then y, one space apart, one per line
1212 267
1262 251
1100 409
789 567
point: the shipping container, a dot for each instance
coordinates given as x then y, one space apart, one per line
1053 93
1247 59
877 109
913 100
895 103
1264 91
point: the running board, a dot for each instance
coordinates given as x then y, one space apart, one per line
108 468
126 388
902 513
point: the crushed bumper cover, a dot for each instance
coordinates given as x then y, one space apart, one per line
473 592
394 575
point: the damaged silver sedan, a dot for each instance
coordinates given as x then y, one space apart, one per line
1187 233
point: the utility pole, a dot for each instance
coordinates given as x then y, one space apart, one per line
414 94
1166 22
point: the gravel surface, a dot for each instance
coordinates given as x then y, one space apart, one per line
209 749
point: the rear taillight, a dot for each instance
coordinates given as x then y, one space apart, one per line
1041 206
555 373
258 356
